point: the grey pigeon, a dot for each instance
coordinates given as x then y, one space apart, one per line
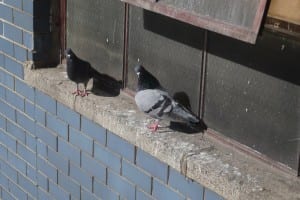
153 100
78 71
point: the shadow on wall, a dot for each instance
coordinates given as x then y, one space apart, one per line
272 55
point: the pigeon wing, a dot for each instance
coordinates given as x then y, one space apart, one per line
155 102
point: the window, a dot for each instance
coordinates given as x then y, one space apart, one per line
246 92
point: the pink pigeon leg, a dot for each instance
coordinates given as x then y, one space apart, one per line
154 126
77 92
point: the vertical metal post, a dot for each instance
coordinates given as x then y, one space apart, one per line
125 47
203 76
63 28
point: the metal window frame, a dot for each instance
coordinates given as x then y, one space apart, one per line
238 32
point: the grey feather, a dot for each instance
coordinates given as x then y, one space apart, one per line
158 104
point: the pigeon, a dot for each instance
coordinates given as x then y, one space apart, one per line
146 80
154 100
78 71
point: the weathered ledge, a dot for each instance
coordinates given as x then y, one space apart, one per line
231 174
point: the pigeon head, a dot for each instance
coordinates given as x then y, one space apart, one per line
145 79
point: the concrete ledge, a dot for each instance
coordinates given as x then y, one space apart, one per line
231 174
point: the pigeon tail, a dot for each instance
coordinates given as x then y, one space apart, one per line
184 114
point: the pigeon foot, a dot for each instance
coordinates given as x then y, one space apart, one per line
153 127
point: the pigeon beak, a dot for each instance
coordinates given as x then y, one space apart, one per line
68 56
138 74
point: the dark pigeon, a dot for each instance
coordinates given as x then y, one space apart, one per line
153 100
146 80
78 71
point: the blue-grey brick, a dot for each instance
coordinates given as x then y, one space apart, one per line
9 141
27 185
152 165
26 154
20 52
42 180
86 195
2 92
9 81
46 136
1 63
31 141
41 148
2 123
40 115
120 146
12 32
186 186
28 40
29 109
6 46
69 151
3 181
1 31
7 195
93 130
25 90
45 101
9 171
27 123
136 175
28 6
16 131
69 185
17 191
3 152
81 140
15 161
47 168
14 67
5 12
210 195
93 167
162 191
141 195
14 3
7 111
84 179
58 161
68 115
104 191
31 173
120 184
15 100
57 125
42 194
56 191
107 157
23 20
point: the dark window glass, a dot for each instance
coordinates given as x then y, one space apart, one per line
95 33
253 94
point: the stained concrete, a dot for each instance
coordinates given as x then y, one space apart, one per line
229 173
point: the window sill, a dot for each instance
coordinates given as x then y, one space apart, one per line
229 173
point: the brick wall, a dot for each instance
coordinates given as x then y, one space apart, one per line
49 151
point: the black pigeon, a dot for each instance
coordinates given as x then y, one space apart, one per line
153 100
78 71
146 80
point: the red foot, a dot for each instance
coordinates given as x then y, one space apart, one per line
84 93
77 93
153 127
